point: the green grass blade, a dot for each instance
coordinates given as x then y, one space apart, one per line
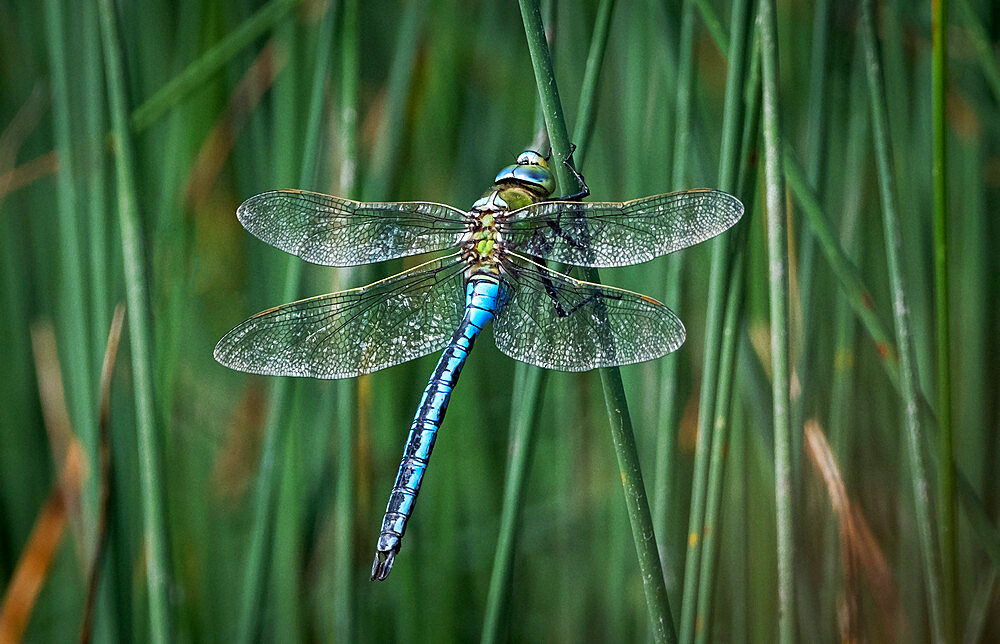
524 418
907 356
155 536
79 372
777 246
947 525
618 414
720 268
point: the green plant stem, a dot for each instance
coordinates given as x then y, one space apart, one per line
718 277
614 393
529 383
668 366
714 25
587 111
76 353
908 367
711 530
154 526
525 407
276 427
195 74
777 247
947 526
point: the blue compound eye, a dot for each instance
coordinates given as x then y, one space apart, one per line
530 157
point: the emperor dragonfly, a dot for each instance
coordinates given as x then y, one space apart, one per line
495 273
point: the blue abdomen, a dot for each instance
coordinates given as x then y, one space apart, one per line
483 299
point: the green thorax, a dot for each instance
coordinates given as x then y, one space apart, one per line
516 186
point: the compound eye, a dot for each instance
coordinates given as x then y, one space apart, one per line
529 157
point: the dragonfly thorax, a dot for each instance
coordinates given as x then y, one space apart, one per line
482 243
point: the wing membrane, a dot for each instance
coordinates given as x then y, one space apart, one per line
354 332
340 232
620 234
556 322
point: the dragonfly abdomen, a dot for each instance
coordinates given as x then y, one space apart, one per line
483 300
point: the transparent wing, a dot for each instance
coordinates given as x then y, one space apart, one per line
339 232
346 334
619 234
556 322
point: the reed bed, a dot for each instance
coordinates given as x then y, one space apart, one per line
818 462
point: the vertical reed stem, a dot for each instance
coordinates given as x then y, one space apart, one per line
777 250
614 392
900 311
154 526
946 467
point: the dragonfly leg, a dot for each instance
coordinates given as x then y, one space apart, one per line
562 311
583 190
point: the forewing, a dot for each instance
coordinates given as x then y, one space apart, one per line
556 322
340 232
354 332
603 234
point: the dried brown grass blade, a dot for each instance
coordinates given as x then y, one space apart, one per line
107 368
860 551
63 501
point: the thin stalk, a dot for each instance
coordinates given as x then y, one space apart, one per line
718 277
614 393
710 529
667 412
815 139
525 400
714 25
346 391
947 526
139 317
679 74
195 74
96 181
587 111
668 374
907 357
523 421
276 428
72 291
777 251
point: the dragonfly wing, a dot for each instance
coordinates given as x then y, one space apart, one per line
340 232
354 332
556 322
619 234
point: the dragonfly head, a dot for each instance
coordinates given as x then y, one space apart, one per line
532 171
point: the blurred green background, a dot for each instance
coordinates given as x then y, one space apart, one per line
428 99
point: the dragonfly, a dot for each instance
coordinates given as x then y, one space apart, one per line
494 270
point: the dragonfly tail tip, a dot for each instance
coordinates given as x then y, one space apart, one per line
382 564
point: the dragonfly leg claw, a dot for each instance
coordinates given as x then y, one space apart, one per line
583 190
383 563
